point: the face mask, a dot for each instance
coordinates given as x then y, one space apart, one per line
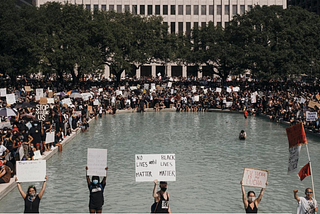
251 199
32 194
31 147
95 182
35 125
163 189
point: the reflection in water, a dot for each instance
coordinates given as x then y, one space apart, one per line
209 160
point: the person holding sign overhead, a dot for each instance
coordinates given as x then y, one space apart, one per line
251 204
96 192
31 198
161 198
306 204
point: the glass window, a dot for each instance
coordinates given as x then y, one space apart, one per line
210 9
165 10
203 9
111 7
226 10
149 9
249 7
134 9
142 10
173 10
127 8
96 7
180 10
188 9
157 10
180 27
119 8
242 9
173 27
203 24
219 10
195 25
188 28
234 10
88 6
103 7
195 9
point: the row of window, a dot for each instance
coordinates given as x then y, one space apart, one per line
188 26
182 10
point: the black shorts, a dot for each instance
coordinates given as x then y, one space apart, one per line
94 208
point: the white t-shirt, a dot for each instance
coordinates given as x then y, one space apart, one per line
305 206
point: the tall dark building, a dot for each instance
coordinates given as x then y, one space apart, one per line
310 5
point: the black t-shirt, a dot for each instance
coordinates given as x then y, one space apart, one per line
36 134
96 195
31 207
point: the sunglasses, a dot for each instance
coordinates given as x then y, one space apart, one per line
309 192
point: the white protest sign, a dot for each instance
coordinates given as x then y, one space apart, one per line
5 124
196 98
155 166
169 84
311 116
153 86
118 92
96 102
39 93
302 100
86 96
49 137
122 88
294 153
97 161
236 89
100 89
37 155
229 104
255 177
133 88
205 91
146 86
194 89
253 98
21 152
50 100
66 101
3 92
31 171
218 89
229 90
171 91
11 98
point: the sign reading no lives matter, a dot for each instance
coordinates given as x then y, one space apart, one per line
255 177
155 166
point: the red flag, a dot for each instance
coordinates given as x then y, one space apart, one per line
304 171
296 135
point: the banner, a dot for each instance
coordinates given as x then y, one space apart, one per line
42 112
97 161
3 92
294 153
255 177
11 99
50 137
31 171
155 166
311 116
296 135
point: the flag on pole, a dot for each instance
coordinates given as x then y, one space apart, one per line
296 135
304 171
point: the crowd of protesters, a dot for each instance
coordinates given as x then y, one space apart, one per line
281 101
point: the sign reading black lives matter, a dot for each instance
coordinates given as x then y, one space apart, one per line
155 166
42 112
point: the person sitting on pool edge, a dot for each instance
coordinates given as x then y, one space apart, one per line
242 135
251 204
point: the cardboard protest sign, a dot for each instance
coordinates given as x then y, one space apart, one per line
294 153
155 166
42 112
311 116
31 171
50 137
296 135
27 88
255 177
50 94
97 161
43 100
11 99
313 104
3 92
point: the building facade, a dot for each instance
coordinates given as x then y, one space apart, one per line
310 5
180 15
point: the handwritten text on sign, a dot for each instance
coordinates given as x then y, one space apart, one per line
294 153
255 177
155 166
97 162
31 171
311 116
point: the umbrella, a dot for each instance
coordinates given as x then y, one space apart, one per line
26 105
75 95
72 91
7 112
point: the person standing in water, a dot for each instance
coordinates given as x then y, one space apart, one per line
251 204
96 192
161 197
306 204
31 198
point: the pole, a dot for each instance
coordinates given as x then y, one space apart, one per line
314 194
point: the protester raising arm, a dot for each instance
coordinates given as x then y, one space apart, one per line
104 181
244 197
23 194
88 179
261 194
295 195
43 188
155 194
